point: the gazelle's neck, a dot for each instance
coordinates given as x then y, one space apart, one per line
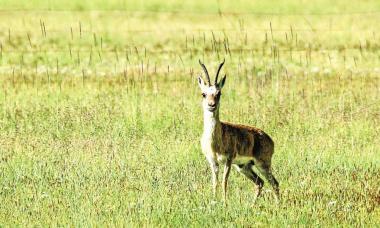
211 122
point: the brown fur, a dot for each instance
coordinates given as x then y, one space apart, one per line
247 141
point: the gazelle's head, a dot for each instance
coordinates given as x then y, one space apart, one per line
211 93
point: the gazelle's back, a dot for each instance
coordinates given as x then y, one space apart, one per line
247 141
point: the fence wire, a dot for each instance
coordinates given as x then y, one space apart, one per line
217 12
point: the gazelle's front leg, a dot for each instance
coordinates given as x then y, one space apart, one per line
227 169
214 170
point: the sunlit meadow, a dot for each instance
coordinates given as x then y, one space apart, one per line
100 116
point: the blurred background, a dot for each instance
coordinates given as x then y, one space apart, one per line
103 35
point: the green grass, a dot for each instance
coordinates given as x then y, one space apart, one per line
108 134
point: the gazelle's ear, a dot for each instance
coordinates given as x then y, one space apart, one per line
201 83
221 83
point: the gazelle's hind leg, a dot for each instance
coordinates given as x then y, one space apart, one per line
266 171
246 169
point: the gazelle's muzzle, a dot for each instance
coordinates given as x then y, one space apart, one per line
211 107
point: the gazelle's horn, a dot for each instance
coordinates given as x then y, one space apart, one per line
206 72
217 74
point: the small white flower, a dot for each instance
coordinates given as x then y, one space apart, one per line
327 71
331 203
314 70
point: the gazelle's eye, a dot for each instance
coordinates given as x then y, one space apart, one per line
203 95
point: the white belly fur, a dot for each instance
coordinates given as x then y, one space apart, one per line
237 160
242 159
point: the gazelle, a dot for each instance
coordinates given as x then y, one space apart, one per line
233 144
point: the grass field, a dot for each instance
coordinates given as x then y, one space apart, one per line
100 115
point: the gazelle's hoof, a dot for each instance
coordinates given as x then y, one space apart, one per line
257 195
277 196
277 199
